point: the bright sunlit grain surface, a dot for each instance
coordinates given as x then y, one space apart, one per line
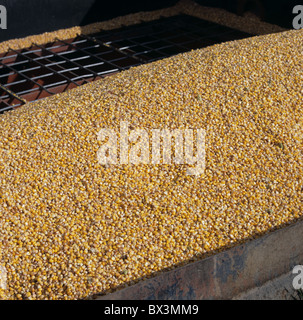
71 227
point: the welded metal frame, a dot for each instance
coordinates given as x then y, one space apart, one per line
43 70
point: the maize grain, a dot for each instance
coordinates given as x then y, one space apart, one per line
71 228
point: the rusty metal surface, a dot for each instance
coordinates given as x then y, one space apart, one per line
226 274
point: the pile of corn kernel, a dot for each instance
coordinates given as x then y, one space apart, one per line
71 227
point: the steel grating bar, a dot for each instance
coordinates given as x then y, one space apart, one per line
116 68
27 78
77 66
43 70
42 65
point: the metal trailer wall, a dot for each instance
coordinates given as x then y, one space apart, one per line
28 17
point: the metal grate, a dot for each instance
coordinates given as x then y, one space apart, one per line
39 71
